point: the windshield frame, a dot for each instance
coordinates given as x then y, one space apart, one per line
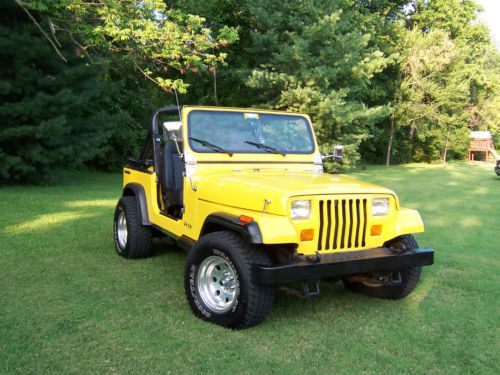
257 151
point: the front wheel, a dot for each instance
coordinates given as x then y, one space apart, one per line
390 285
219 285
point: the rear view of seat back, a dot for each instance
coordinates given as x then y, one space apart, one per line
171 179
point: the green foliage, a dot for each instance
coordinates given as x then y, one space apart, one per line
71 114
157 39
133 101
351 65
412 76
431 97
52 113
484 101
448 84
309 56
450 16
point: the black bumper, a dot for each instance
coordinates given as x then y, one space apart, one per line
342 264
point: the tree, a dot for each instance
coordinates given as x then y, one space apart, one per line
429 94
53 113
447 81
484 102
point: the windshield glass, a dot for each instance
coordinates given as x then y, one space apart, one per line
249 132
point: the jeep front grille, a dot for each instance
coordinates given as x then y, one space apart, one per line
342 224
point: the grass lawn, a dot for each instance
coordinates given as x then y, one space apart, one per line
69 304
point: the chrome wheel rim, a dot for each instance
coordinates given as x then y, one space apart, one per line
121 230
217 283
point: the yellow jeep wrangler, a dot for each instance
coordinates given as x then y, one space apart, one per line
243 191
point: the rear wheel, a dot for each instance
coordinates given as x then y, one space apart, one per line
390 285
219 284
132 239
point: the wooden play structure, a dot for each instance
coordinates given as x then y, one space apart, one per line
481 141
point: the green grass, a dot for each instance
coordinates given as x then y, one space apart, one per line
69 304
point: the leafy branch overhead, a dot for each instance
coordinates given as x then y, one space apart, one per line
163 43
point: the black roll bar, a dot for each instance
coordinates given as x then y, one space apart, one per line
155 135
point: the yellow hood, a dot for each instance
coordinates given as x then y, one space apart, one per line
248 189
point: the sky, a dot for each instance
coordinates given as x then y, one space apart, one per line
491 16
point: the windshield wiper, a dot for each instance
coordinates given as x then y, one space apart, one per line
211 146
267 148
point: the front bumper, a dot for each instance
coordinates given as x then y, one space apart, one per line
342 264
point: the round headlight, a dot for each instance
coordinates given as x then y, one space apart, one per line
380 206
300 209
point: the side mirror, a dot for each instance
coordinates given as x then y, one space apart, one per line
338 151
171 130
171 126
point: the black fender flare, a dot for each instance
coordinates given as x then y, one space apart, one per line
249 231
137 191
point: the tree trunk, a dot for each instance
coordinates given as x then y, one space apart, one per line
391 137
395 102
410 138
446 143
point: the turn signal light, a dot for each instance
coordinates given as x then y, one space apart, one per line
246 219
376 230
307 235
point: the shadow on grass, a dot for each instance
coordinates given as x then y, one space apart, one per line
164 246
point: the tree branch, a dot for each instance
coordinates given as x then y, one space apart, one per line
144 73
20 3
70 34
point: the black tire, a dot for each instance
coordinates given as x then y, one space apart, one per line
251 302
138 241
409 276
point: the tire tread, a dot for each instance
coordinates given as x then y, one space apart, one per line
260 297
139 237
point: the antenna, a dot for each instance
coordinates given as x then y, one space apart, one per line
178 106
